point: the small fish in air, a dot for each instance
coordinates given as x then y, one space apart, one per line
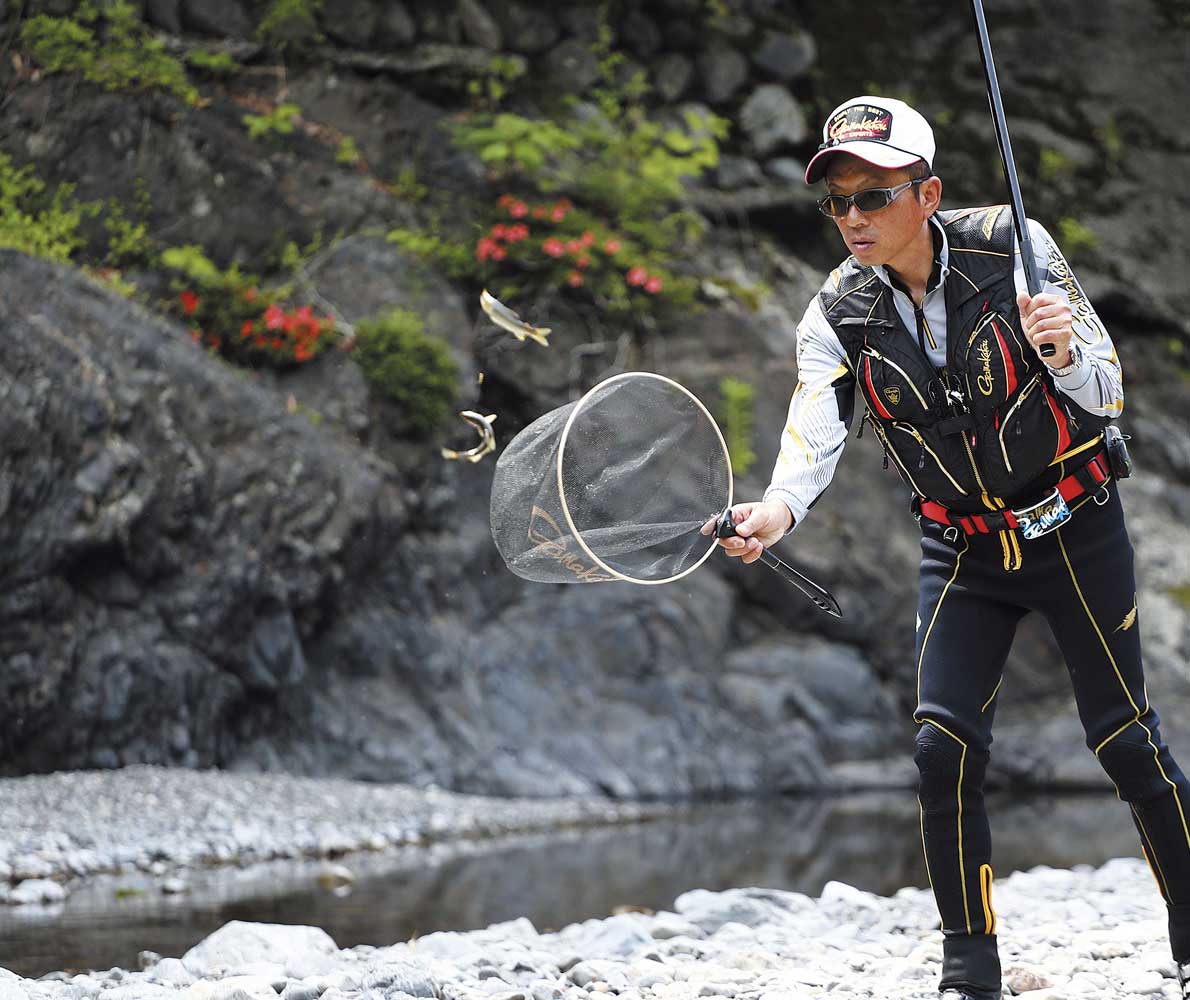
508 320
487 437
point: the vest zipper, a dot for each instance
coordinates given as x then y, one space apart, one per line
910 429
892 364
1025 393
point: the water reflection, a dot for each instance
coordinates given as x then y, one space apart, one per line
871 841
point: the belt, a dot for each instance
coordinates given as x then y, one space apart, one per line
1087 479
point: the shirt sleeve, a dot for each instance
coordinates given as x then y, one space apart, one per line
1098 387
819 415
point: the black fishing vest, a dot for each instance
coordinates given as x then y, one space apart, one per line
997 436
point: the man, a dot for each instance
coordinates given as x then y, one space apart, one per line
1004 450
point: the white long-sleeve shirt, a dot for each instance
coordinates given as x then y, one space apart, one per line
815 434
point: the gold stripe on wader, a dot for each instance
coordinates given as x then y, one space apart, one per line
1146 845
934 617
1016 549
921 820
985 890
1107 649
1004 548
959 799
992 695
1075 451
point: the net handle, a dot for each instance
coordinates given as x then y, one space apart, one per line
562 492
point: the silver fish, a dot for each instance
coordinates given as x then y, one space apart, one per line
487 437
508 320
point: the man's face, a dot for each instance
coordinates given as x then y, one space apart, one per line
879 237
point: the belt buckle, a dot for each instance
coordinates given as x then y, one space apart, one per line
1044 516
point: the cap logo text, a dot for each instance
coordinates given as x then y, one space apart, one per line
858 123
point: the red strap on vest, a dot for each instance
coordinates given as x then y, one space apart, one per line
974 524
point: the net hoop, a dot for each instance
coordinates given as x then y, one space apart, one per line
562 492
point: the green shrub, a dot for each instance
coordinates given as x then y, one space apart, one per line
230 314
489 89
737 398
1076 238
219 64
109 45
409 367
35 221
280 121
289 24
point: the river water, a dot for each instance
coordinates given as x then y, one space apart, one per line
871 841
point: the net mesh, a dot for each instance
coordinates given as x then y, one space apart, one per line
612 486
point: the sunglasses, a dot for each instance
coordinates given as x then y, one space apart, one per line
868 200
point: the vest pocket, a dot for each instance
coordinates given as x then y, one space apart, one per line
892 393
1031 434
994 361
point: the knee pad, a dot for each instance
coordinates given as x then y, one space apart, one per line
941 760
1131 761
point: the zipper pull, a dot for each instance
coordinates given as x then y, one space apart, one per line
884 464
1018 428
921 459
860 433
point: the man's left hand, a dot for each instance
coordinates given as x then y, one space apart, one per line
1047 319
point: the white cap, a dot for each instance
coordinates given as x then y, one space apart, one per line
880 130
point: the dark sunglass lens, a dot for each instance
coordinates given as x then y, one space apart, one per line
833 206
872 200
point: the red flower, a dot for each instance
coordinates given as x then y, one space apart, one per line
573 246
275 343
514 234
553 247
189 302
637 276
484 248
574 279
518 209
302 353
274 317
557 213
582 261
499 253
249 294
540 212
504 200
498 231
612 246
653 285
246 330
588 238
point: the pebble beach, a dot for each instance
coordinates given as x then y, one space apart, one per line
1082 933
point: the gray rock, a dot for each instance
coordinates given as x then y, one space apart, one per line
237 944
224 18
36 890
671 75
723 71
737 171
164 14
479 27
352 22
399 979
439 23
772 118
785 55
396 26
640 33
526 29
786 169
572 65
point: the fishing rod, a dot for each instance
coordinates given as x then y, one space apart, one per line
1032 279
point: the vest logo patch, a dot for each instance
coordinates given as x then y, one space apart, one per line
860 122
989 222
893 394
984 380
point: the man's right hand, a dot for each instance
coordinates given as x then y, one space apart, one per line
758 525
